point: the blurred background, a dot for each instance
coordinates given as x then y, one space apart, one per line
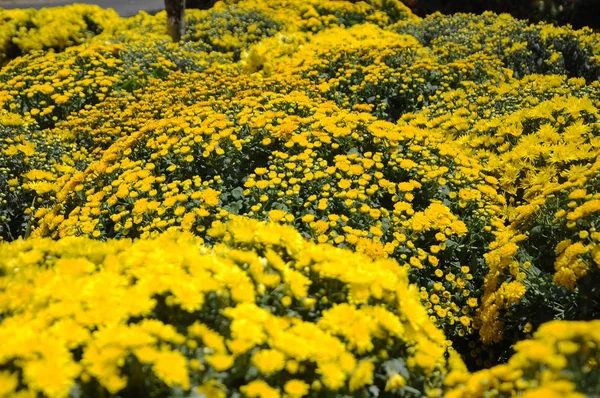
578 13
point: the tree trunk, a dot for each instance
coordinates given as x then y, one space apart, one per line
175 18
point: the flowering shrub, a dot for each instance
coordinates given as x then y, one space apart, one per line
560 361
460 163
315 15
387 74
354 193
578 13
522 130
23 31
534 135
260 312
547 259
523 48
229 31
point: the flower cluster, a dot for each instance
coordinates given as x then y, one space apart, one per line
316 15
262 311
333 174
560 361
24 31
547 259
522 48
526 132
444 169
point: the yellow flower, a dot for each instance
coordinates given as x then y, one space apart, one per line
307 218
52 376
276 215
584 210
220 362
298 283
210 197
577 194
171 368
362 375
259 389
332 375
344 184
394 382
296 388
8 383
212 389
268 361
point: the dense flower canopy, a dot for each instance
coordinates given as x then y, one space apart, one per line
301 198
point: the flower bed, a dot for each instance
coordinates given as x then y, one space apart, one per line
460 164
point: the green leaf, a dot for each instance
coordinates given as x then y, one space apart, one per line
408 391
280 206
397 365
237 193
75 392
234 207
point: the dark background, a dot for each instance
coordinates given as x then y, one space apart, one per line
578 13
